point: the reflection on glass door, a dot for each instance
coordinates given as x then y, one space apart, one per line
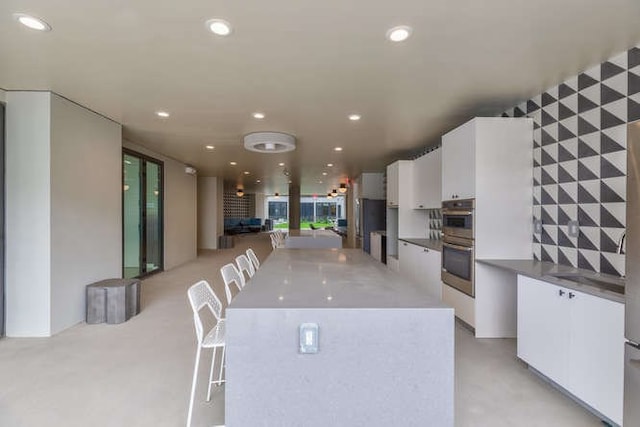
142 215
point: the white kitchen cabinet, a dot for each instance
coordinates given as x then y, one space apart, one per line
427 181
459 162
575 339
421 265
393 185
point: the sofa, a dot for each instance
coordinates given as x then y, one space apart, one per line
242 225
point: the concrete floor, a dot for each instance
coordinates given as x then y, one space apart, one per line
138 373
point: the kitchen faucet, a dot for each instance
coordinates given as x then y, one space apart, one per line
622 243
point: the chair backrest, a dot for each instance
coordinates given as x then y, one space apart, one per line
274 241
201 295
254 258
230 274
245 265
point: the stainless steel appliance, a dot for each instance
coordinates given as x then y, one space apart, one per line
458 258
632 288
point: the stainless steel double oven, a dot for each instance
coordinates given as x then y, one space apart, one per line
458 260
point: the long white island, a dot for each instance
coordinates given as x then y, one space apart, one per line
384 348
313 239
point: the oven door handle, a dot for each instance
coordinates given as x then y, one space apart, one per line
461 248
454 212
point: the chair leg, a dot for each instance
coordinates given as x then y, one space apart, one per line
222 365
193 386
213 362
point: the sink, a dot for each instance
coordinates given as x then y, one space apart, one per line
590 281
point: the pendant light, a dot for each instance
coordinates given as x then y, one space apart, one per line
334 193
343 188
239 192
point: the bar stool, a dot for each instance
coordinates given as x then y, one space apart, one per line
245 266
254 258
230 274
200 296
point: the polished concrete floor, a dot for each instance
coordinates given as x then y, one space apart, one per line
138 373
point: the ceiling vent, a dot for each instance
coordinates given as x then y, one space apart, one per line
269 142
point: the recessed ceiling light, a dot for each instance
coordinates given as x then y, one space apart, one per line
330 164
280 164
354 117
337 149
399 34
247 172
233 163
324 174
209 147
162 114
258 181
32 22
319 182
258 116
219 27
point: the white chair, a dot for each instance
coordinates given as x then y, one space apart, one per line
230 274
244 265
254 258
274 241
200 296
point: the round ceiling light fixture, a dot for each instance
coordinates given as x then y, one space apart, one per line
399 34
239 192
32 22
219 27
269 142
354 117
334 193
343 188
258 115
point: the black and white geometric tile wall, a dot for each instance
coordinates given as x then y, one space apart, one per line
579 170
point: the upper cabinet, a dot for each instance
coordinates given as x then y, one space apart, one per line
459 162
393 184
427 181
371 186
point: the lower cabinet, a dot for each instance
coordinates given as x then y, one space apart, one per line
576 340
421 265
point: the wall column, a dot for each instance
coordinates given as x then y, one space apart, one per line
294 207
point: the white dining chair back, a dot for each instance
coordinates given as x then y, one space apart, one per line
202 296
274 241
254 258
245 266
230 274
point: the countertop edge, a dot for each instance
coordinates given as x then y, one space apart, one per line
433 244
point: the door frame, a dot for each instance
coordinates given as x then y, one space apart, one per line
143 202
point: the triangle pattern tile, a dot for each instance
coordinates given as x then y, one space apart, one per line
619 83
549 174
549 234
588 192
565 90
535 116
607 243
563 217
620 60
553 92
568 171
537 175
564 154
546 138
608 145
504 115
633 57
544 255
551 253
612 264
536 249
549 154
608 95
564 240
613 165
586 167
550 215
568 256
532 106
610 120
547 99
567 193
633 110
592 141
517 112
535 201
537 212
592 117
584 127
617 109
549 195
633 82
613 215
613 190
609 69
547 119
589 260
564 111
585 104
586 150
589 215
537 195
564 133
537 137
570 124
585 81
618 134
535 239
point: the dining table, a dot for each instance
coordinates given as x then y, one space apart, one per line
332 337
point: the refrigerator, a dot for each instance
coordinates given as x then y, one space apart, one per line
372 217
632 288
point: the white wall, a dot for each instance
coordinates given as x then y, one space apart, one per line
28 267
86 207
261 207
3 95
180 209
208 212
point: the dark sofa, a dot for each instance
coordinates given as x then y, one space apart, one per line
242 225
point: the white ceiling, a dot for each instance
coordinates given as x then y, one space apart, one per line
306 65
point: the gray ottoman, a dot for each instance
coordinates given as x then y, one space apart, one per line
113 300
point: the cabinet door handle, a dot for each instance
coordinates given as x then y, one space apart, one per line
561 292
571 295
425 250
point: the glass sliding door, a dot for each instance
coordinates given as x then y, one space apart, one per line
142 209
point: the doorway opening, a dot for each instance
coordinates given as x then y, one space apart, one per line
142 215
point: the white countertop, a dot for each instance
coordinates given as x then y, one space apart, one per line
329 278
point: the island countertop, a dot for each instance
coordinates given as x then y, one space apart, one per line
333 278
